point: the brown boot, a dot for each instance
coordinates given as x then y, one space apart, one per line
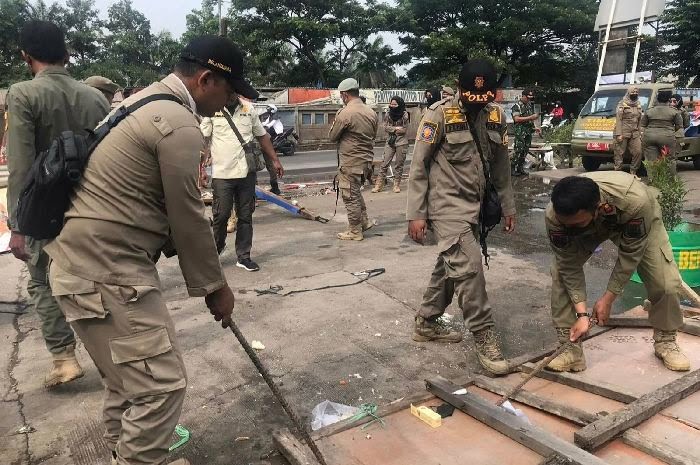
666 348
397 186
379 185
572 359
431 330
65 368
489 353
352 234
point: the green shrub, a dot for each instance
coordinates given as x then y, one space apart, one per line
672 190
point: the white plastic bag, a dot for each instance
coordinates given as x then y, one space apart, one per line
327 412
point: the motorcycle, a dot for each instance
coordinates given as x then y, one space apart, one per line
285 144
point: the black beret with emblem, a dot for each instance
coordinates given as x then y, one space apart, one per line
478 81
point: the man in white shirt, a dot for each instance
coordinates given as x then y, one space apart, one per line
233 181
272 123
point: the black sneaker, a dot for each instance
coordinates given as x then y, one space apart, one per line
248 265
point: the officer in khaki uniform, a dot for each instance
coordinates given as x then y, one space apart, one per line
104 85
445 189
38 111
626 132
354 129
586 211
139 191
663 129
396 124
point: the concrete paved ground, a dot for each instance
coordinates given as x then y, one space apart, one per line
350 345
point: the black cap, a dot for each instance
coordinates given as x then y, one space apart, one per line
223 57
528 92
478 80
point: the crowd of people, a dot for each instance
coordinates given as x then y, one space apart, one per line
138 198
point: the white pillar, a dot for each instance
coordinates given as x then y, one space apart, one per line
639 40
605 43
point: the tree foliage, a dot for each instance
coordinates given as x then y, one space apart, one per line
681 30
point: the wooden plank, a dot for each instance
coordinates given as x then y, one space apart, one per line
294 451
663 452
573 414
556 459
690 327
382 411
599 387
530 436
601 431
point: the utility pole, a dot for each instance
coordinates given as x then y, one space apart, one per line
222 21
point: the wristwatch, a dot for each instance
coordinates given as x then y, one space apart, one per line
582 315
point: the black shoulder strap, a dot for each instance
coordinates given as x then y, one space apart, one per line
122 112
233 126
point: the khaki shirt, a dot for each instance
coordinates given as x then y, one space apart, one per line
627 119
663 117
139 189
447 180
227 153
38 111
626 218
401 126
354 129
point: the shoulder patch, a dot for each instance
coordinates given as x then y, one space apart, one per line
635 229
559 239
427 132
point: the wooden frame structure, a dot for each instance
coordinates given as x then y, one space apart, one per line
596 430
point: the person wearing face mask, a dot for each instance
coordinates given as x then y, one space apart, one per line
396 123
677 103
626 133
663 130
139 192
233 181
354 130
586 211
39 111
524 117
460 140
432 96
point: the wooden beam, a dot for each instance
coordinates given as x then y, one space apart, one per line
573 414
556 459
382 411
690 327
598 387
530 436
663 452
596 434
293 450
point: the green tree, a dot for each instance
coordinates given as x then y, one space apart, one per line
375 65
13 15
83 32
166 52
681 30
201 22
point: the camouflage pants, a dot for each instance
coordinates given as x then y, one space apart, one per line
397 152
350 180
54 328
634 145
521 145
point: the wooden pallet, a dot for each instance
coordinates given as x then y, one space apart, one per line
626 409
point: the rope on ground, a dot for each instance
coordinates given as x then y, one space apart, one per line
366 274
368 410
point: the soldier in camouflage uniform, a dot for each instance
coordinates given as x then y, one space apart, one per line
586 211
524 117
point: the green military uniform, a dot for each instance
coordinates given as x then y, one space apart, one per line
139 189
628 115
445 187
523 134
686 117
663 128
630 217
38 111
354 129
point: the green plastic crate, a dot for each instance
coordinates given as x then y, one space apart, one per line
685 242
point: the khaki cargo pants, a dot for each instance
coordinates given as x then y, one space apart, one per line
655 140
398 154
130 337
634 145
459 271
350 180
54 328
659 273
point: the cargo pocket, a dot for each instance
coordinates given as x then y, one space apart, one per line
459 261
78 298
147 363
457 148
667 251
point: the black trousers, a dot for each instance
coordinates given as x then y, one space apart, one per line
238 193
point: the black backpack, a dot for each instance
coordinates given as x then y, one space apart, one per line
57 171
